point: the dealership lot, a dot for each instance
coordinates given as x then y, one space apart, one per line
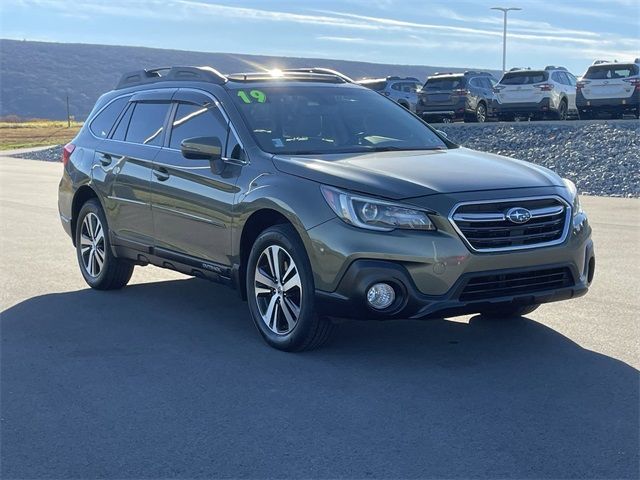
168 378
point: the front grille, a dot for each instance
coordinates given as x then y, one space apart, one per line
508 284
486 228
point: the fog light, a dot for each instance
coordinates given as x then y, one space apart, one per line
381 296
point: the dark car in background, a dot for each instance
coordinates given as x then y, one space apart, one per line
401 90
464 96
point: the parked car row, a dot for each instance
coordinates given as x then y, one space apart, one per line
610 88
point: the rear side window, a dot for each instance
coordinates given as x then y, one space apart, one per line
121 130
147 123
103 122
608 72
524 78
197 121
445 83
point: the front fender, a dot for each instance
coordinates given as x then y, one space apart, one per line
299 200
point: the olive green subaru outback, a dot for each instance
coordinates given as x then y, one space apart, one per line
316 199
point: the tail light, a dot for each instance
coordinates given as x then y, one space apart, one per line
66 153
581 84
633 81
460 91
545 87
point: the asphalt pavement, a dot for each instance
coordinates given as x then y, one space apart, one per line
168 378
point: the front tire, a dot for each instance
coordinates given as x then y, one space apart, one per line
99 267
508 311
281 292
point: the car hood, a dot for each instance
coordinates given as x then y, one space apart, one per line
407 174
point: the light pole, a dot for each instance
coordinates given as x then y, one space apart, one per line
504 35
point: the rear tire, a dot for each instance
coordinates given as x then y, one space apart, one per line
281 292
508 311
481 113
100 268
563 110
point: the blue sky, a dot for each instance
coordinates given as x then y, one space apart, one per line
428 32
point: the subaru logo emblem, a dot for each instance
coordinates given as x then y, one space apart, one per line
518 215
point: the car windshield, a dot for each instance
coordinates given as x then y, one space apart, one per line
607 72
524 78
307 120
444 83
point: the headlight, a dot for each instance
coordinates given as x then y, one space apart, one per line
375 214
575 198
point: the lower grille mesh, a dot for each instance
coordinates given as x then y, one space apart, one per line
515 283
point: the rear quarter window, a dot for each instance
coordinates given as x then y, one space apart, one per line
524 78
102 123
608 72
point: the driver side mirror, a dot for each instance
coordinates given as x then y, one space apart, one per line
204 148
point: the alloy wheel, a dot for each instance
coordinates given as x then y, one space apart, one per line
92 246
481 113
278 289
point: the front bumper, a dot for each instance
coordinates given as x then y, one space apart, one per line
430 270
349 301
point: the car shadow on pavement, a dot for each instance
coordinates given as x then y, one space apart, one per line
171 380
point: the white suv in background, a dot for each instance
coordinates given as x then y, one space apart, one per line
537 94
609 87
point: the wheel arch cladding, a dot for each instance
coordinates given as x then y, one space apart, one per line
257 223
82 195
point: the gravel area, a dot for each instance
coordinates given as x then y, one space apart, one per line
53 154
601 157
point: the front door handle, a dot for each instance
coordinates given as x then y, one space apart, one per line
161 174
105 158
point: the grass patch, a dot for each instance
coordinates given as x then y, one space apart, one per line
36 133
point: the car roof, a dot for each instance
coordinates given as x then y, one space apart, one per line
179 74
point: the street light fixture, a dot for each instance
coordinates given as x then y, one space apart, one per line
504 35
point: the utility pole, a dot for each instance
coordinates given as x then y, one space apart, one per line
505 10
68 113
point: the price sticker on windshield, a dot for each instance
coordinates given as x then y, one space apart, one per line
253 96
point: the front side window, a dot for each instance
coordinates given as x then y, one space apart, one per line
330 119
103 122
147 123
197 121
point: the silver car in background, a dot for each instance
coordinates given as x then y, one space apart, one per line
401 90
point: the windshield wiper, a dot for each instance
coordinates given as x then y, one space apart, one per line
395 148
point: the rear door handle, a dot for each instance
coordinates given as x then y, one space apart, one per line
161 174
105 158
